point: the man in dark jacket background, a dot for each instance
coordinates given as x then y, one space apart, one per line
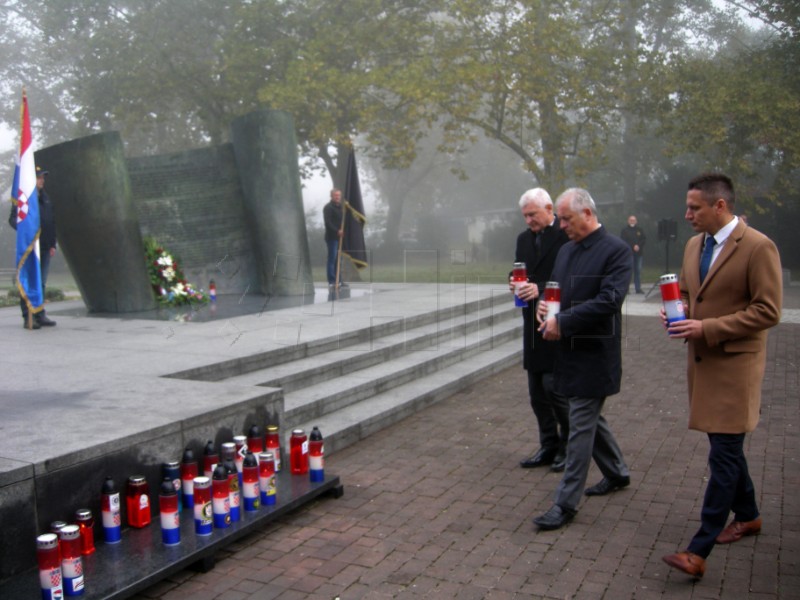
634 236
332 217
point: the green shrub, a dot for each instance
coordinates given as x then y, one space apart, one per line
51 294
54 295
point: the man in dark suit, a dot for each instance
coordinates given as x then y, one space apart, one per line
537 247
731 290
334 231
594 272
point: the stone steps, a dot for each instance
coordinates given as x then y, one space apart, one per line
245 370
355 353
354 391
354 421
366 378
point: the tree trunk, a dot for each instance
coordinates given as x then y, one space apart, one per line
630 140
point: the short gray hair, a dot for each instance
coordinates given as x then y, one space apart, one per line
577 199
537 196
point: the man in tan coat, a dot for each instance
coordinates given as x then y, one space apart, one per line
731 291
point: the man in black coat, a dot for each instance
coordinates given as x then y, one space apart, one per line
594 271
334 231
635 238
537 247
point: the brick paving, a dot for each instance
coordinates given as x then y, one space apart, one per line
437 507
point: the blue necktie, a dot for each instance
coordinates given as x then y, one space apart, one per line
705 259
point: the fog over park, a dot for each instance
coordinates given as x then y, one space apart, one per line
454 107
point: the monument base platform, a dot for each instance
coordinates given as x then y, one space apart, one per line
108 396
140 559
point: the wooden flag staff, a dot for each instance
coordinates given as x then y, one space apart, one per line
337 281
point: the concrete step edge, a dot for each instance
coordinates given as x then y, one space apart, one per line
351 424
349 388
234 367
312 370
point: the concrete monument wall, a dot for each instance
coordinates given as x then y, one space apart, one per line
191 202
232 213
96 222
266 151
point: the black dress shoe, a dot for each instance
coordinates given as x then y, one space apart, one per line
559 463
607 485
554 518
34 324
45 321
542 458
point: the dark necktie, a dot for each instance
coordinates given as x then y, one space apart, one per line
537 242
705 259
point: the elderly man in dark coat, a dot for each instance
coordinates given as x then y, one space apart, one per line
537 247
594 271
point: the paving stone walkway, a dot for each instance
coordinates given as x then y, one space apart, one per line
437 507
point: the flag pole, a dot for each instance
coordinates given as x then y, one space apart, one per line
24 171
23 296
339 251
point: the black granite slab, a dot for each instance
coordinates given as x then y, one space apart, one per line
120 570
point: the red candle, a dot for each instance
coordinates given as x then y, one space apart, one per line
298 452
138 501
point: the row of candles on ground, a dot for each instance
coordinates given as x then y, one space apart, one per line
243 478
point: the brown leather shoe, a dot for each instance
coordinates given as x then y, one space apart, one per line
738 529
687 562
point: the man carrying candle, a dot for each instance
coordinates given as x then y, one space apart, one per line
730 285
537 248
594 271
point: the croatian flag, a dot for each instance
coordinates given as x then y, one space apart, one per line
25 194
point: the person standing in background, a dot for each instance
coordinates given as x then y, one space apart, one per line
332 217
634 236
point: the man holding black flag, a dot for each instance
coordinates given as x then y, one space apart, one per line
334 231
344 228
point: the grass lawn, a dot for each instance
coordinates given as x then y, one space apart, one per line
421 269
426 268
56 282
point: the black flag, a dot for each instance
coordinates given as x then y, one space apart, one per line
353 241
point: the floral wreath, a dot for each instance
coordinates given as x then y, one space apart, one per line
166 277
